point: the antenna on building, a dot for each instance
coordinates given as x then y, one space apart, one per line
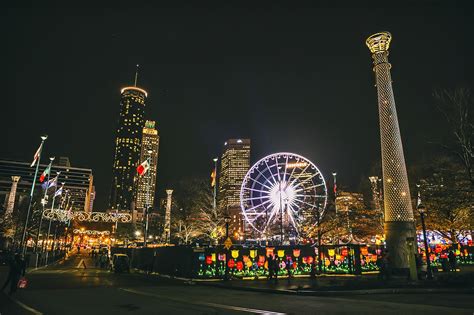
136 74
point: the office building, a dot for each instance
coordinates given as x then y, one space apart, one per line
146 183
78 183
235 163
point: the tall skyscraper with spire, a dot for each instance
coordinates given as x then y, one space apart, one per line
146 185
128 143
399 221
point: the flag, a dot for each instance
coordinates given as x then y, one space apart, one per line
37 154
50 183
143 168
213 178
58 192
45 173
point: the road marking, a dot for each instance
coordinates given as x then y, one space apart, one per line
214 305
26 307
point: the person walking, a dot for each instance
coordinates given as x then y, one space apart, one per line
452 261
17 269
270 267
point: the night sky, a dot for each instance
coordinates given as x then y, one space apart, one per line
291 78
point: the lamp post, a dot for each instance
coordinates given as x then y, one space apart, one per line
44 201
421 209
215 182
227 221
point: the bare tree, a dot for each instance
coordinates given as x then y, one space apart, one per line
457 106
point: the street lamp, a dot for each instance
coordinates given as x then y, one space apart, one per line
421 209
227 219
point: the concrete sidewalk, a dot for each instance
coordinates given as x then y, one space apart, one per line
327 285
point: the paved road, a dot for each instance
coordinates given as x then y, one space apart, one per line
68 288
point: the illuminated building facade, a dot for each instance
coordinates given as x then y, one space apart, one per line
235 163
147 183
78 183
399 222
128 143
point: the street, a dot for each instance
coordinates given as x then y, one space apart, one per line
68 288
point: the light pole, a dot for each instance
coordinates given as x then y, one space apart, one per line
44 201
227 221
52 213
421 209
148 201
25 227
215 184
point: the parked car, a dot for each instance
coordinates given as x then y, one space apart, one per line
120 263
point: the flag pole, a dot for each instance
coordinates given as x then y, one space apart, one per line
44 201
52 211
148 201
25 227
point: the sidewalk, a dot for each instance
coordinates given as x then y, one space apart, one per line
459 282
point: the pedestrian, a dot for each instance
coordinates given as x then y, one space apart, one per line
17 269
452 261
276 268
270 267
289 264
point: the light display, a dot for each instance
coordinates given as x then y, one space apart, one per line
64 215
244 265
397 202
91 232
281 194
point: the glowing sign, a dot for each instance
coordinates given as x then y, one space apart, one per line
296 164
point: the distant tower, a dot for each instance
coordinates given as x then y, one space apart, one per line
167 229
147 183
235 163
399 221
127 146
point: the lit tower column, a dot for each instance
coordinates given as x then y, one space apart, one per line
167 229
11 196
7 219
399 221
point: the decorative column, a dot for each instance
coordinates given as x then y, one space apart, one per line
11 196
399 222
9 227
167 229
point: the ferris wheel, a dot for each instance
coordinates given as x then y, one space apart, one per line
282 196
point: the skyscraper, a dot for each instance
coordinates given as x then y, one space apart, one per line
128 143
235 163
145 195
399 222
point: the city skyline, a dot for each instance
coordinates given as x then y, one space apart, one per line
240 88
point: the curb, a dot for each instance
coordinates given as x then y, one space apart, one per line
343 292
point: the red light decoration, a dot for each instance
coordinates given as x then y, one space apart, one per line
364 251
209 260
240 265
309 260
296 252
344 252
231 263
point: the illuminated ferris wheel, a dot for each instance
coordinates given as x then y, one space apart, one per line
282 195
